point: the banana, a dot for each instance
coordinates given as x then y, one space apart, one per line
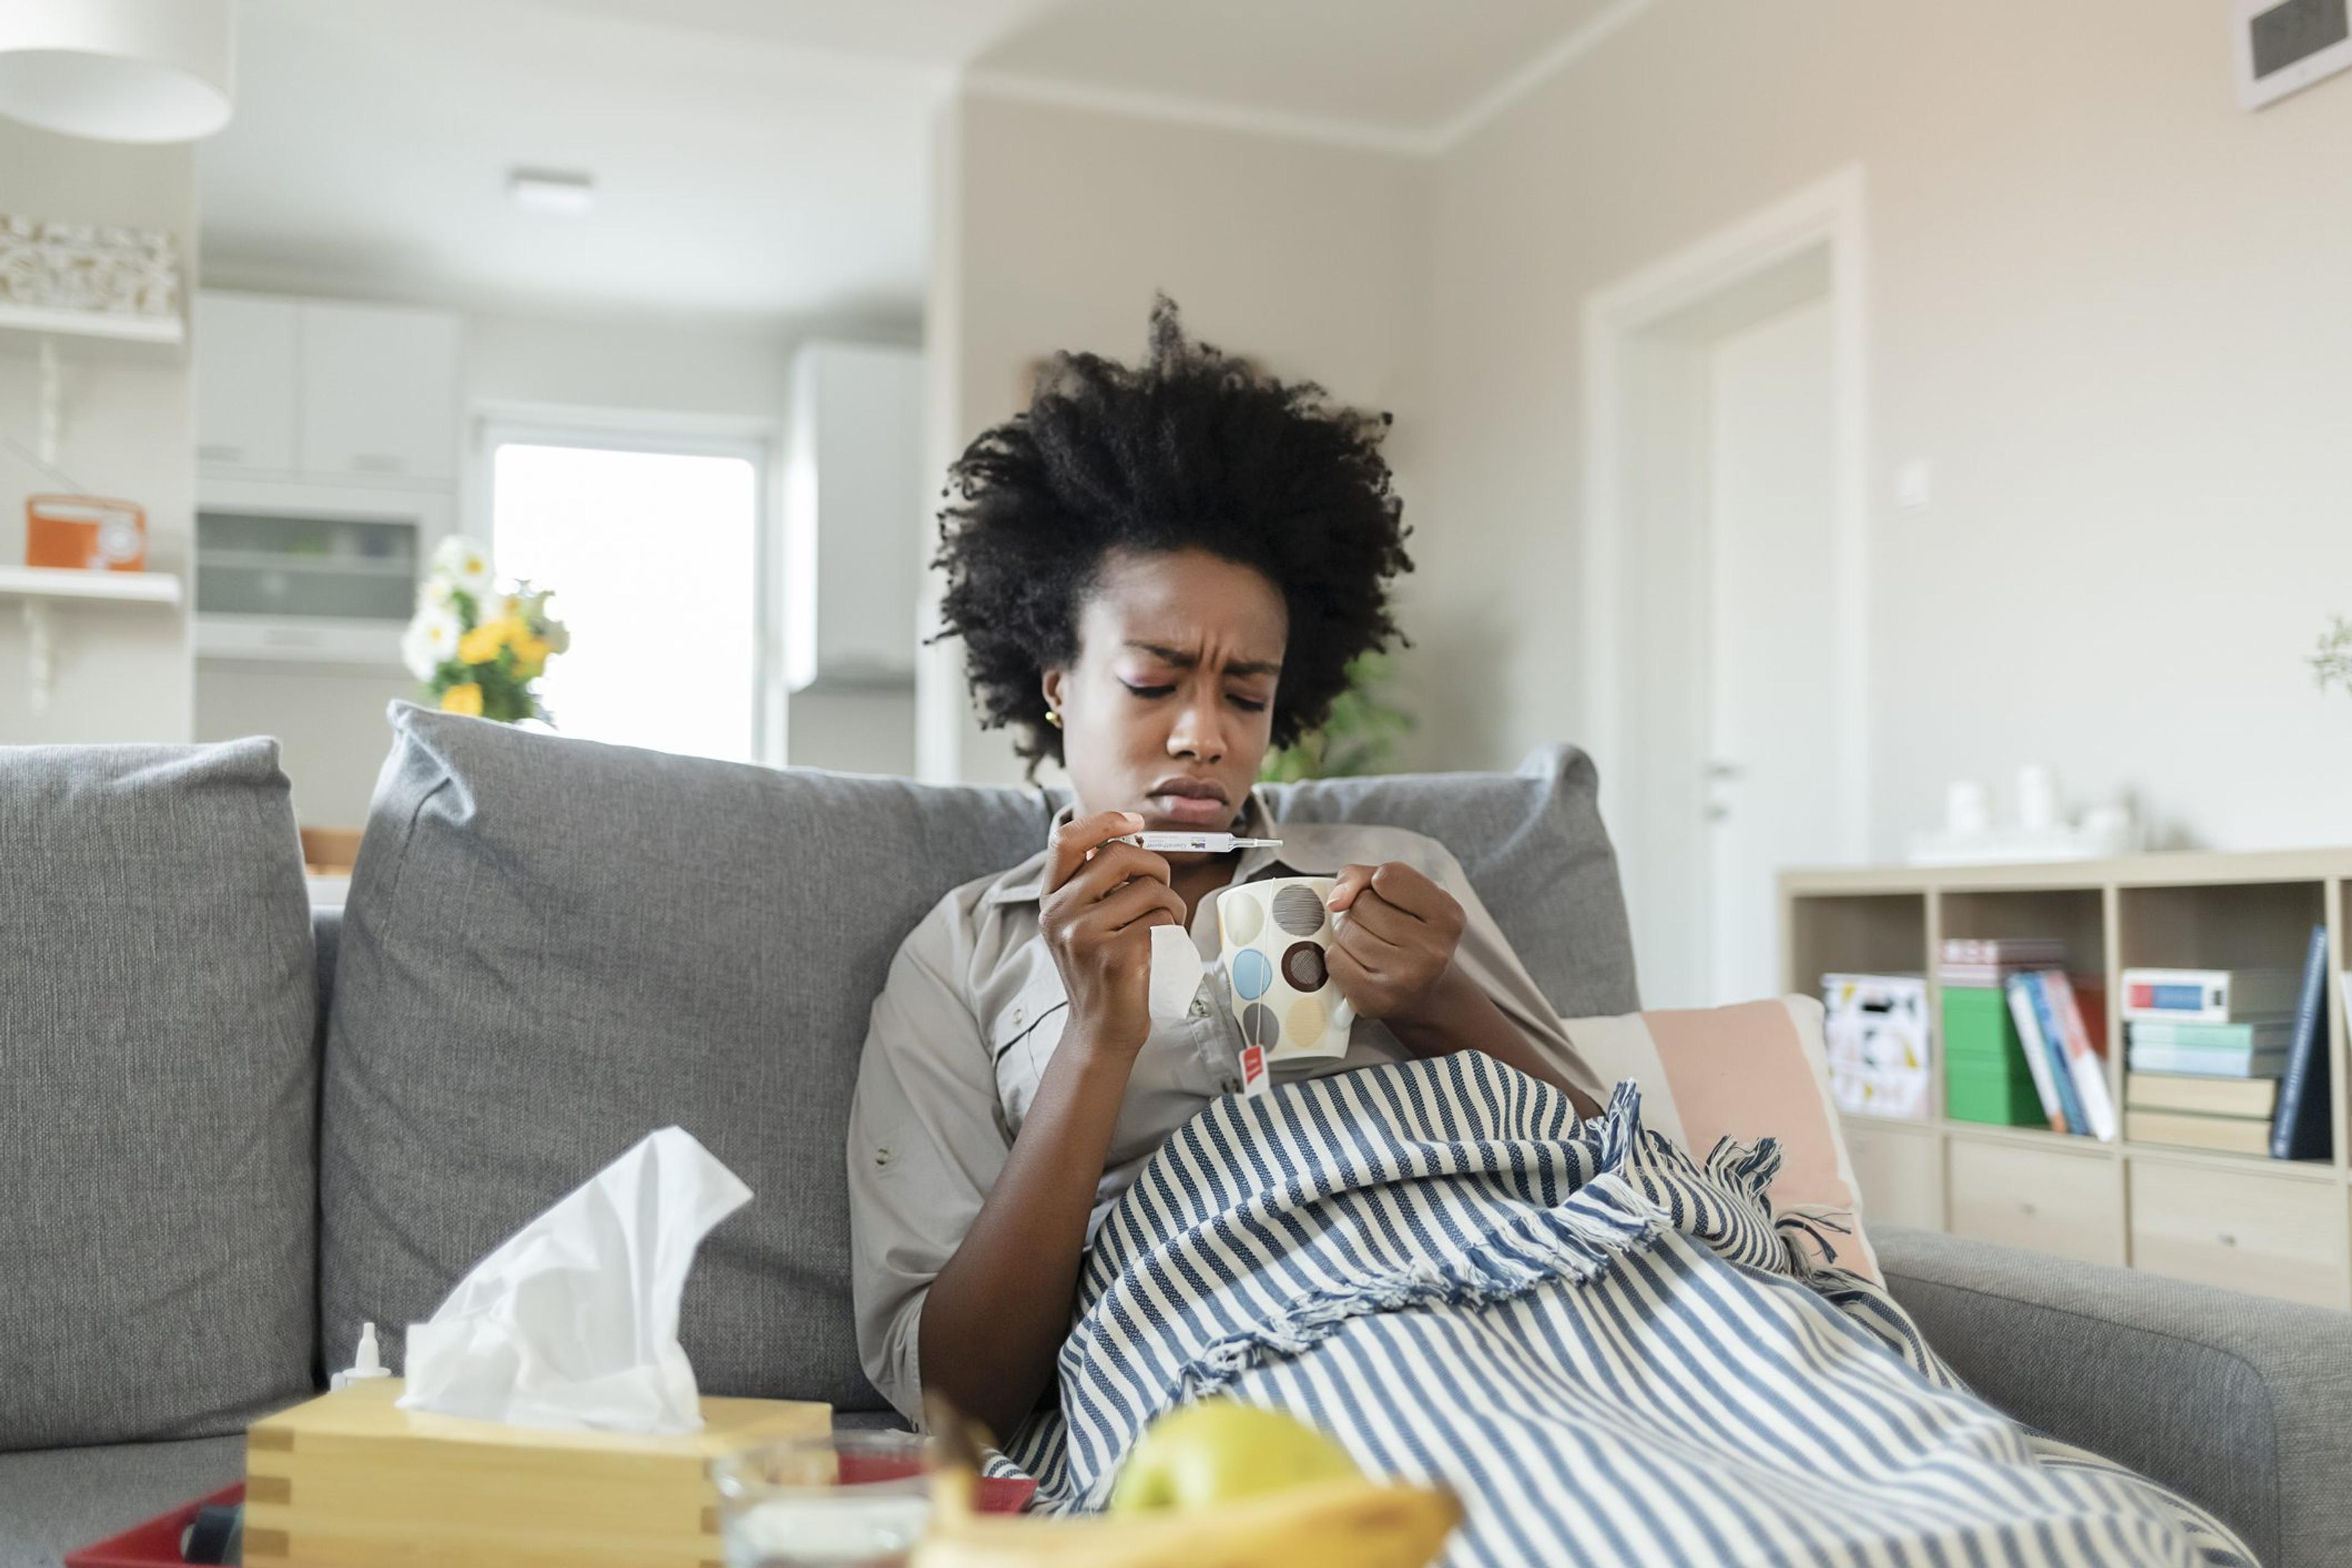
1345 1522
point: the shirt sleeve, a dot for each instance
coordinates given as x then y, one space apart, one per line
927 1141
1486 955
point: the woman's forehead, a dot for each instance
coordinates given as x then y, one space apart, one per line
1187 604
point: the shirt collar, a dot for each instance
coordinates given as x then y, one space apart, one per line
1299 855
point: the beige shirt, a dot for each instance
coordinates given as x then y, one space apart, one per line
971 1012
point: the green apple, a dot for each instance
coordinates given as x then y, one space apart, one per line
1217 1450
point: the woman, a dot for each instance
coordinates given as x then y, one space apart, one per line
1158 574
1451 1261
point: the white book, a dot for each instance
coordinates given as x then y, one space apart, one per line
2037 1055
2211 995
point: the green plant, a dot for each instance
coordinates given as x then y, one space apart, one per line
1359 737
2331 663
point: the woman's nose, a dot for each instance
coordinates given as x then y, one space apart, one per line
1199 733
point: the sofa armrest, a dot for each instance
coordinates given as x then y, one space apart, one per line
2240 1402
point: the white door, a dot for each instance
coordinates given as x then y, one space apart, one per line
1771 632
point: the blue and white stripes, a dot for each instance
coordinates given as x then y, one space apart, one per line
1606 1348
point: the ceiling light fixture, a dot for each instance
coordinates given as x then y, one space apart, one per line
119 70
552 191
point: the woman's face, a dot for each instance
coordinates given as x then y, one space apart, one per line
1169 707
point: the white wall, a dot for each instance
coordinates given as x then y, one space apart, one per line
1055 226
121 671
2106 304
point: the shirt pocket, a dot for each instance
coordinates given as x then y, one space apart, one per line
1023 1039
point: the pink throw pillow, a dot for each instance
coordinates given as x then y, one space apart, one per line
1757 1069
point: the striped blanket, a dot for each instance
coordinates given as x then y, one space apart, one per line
1610 1350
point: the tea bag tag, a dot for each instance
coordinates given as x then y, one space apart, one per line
1255 1079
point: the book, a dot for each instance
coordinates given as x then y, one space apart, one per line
1985 1075
2207 1064
2300 1129
2254 1097
1875 1030
2037 1054
2053 1042
2044 951
2211 995
2274 1034
2085 1061
1990 961
2230 1134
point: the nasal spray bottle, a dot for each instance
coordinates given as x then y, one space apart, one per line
367 1362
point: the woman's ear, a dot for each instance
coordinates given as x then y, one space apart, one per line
1053 687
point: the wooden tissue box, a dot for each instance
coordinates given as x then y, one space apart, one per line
351 1482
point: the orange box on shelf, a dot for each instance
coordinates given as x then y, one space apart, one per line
85 533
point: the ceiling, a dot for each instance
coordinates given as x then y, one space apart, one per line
758 158
1408 73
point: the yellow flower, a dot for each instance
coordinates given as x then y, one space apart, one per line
531 655
482 644
466 698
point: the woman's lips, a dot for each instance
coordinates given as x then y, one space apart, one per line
1195 810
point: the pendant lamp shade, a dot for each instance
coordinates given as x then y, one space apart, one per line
118 70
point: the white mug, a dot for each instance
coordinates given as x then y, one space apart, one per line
1273 936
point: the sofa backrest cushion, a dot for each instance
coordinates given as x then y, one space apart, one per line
158 1083
551 947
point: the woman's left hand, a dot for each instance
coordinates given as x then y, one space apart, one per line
1393 932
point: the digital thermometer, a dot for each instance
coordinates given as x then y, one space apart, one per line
1196 843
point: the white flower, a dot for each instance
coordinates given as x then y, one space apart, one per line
556 636
438 590
465 561
431 637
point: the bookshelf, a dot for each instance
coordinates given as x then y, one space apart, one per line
2276 1228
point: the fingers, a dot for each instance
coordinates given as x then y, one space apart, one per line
1141 901
1404 888
1374 954
1351 880
1068 849
1107 866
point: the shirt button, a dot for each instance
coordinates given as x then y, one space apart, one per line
1231 1085
1199 1006
1020 1017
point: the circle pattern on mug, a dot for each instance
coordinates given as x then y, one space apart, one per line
1253 973
1299 910
1259 1025
1241 917
1303 968
1305 1021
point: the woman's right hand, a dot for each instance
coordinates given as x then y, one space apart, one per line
1096 919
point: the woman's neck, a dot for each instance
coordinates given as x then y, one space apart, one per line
1194 882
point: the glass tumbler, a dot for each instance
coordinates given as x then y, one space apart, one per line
855 1499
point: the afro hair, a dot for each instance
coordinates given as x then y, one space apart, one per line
1194 450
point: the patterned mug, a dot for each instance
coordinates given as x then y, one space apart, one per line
1274 935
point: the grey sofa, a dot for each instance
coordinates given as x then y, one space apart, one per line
231 1128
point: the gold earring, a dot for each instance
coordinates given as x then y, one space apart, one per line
1053 717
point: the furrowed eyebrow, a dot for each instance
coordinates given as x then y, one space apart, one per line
1183 659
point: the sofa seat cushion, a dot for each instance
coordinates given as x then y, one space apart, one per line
158 1083
551 947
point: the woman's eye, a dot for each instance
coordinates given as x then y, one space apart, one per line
1250 704
1147 690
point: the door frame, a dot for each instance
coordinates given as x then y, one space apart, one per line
1830 215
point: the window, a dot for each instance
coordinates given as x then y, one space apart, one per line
652 550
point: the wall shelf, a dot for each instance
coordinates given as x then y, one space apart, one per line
2281 1228
39 588
168 333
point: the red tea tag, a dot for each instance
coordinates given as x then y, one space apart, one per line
1254 1078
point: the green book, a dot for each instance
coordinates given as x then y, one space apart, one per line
2268 1034
1986 1079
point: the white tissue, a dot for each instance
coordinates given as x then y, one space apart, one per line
1176 973
572 1322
